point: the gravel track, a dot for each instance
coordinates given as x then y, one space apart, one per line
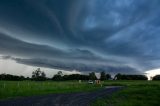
69 99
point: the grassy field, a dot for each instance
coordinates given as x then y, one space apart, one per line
136 93
10 89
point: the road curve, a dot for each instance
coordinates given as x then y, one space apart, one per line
71 99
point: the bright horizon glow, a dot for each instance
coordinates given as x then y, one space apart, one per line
11 67
26 70
152 73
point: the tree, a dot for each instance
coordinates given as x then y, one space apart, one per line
43 75
75 77
108 76
130 77
117 77
60 73
92 76
58 76
38 75
10 77
103 76
157 77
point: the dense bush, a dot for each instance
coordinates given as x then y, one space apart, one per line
9 77
70 77
157 77
38 75
104 76
130 77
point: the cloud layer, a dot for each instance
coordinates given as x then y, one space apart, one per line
94 35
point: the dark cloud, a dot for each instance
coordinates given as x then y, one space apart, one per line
69 65
86 35
18 48
15 47
45 56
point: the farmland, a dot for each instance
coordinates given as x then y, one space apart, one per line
136 93
12 89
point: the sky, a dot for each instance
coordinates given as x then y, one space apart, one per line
80 36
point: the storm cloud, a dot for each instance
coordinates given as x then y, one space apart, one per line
116 36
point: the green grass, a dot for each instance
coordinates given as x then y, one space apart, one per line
136 93
12 89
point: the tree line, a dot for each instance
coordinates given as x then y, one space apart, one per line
9 77
39 75
130 77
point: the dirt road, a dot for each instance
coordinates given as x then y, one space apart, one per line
72 99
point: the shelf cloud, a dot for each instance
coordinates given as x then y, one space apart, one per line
116 36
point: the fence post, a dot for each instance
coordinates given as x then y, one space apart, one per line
18 84
4 85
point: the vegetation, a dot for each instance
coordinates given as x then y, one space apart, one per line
38 75
10 89
75 77
108 77
60 77
92 76
157 77
9 77
130 77
105 76
136 93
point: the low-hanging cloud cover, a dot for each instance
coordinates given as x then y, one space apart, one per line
116 36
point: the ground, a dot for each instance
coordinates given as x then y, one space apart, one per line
133 93
71 99
136 93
